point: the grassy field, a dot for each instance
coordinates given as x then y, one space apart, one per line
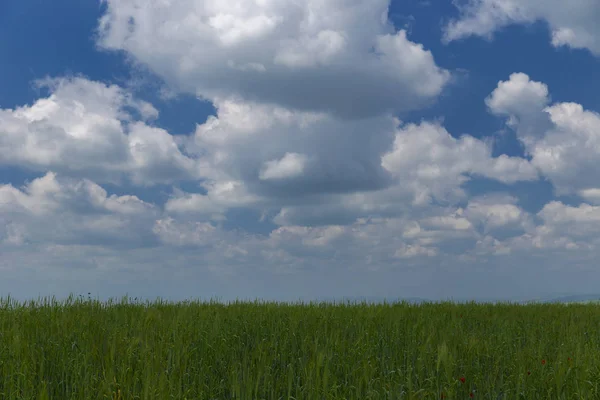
84 349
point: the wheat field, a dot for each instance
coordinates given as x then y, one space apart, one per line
85 349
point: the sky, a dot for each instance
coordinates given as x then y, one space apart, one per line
299 149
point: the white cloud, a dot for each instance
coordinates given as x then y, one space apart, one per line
591 195
308 236
318 55
572 23
48 194
269 152
310 52
220 197
561 138
196 234
519 96
289 166
427 159
410 251
563 228
59 210
83 129
497 217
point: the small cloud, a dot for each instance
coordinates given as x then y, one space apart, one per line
290 165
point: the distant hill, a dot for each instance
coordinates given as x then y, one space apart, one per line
584 299
588 298
577 298
372 299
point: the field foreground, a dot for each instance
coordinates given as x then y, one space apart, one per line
84 349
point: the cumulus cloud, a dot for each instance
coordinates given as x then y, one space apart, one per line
89 129
518 97
410 251
334 56
563 230
498 217
572 23
434 164
195 234
219 197
59 210
560 138
257 151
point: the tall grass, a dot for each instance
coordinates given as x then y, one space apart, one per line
85 349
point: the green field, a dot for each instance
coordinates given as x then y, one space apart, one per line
85 349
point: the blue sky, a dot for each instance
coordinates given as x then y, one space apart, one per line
286 150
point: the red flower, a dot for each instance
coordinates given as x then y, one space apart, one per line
543 362
462 379
471 395
528 372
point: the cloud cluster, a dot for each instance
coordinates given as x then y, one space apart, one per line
306 135
307 167
373 191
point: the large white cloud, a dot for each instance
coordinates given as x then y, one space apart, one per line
336 56
92 130
561 138
572 23
276 152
